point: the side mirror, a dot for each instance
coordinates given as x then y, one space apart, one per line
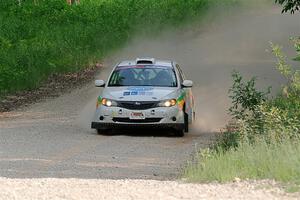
187 84
99 83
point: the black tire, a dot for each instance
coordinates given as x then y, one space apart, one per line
186 123
179 133
103 132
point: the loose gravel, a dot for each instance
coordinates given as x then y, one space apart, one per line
58 189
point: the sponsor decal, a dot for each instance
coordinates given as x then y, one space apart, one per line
180 100
143 91
126 93
140 89
134 93
98 101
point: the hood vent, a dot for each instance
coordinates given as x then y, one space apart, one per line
148 61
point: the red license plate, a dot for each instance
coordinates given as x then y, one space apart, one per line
137 115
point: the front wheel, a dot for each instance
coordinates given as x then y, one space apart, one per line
179 133
186 123
103 132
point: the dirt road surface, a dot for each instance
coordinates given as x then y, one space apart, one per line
52 139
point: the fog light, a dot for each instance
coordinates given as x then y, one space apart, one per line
101 118
174 119
152 112
120 112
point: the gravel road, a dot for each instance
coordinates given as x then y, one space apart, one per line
52 138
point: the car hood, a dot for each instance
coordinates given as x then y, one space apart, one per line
140 93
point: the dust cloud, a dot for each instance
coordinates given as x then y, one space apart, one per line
209 51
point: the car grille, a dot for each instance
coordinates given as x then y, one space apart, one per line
127 120
137 105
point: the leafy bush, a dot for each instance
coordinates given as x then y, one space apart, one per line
245 111
245 97
274 125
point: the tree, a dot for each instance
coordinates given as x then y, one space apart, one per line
289 5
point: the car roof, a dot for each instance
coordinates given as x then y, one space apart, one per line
146 61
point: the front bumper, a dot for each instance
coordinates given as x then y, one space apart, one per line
159 117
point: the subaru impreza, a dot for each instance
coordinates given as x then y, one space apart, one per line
145 93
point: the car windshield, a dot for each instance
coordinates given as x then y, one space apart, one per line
143 76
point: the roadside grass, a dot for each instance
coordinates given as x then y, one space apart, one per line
278 161
41 37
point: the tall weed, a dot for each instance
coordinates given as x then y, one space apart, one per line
262 160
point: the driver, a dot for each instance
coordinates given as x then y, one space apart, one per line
127 77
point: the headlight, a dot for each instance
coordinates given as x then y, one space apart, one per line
108 102
167 103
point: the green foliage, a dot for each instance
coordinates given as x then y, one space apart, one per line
292 89
229 139
245 111
274 125
297 47
245 97
289 5
41 37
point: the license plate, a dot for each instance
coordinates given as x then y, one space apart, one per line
137 115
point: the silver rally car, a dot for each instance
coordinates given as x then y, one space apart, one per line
145 93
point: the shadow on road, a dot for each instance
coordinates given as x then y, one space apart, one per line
140 132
